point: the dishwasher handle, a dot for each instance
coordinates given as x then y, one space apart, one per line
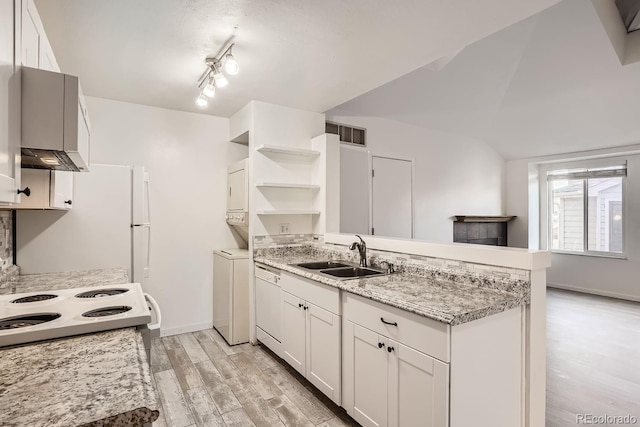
268 275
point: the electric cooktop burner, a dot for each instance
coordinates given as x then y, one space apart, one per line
28 320
34 298
100 293
75 311
107 311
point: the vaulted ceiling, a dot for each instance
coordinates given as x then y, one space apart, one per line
547 85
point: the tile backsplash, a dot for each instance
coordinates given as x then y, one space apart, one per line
6 239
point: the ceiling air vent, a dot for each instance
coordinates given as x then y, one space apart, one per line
348 134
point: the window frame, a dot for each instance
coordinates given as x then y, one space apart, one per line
548 205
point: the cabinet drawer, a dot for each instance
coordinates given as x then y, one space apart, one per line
323 296
423 334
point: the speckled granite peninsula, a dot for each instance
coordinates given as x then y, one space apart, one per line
67 280
433 293
99 379
94 380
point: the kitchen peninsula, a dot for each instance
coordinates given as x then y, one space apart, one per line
440 340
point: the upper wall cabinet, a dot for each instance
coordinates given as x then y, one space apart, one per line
47 189
36 50
9 102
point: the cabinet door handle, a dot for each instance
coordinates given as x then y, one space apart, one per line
388 323
380 345
300 305
390 349
306 308
68 202
26 191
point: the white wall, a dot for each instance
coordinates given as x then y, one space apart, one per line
454 175
604 276
186 155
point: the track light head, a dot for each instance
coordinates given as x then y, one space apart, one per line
221 79
202 101
231 65
210 88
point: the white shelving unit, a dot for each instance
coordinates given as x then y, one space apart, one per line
301 152
287 212
287 185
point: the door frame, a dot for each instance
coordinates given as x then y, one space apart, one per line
413 178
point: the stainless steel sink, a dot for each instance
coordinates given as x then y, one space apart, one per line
342 270
352 272
322 265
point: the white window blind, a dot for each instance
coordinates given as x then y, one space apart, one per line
586 173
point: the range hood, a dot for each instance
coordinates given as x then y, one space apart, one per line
55 124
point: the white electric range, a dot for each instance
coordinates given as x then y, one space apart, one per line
35 316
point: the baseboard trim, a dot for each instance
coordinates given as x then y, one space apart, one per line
184 329
602 293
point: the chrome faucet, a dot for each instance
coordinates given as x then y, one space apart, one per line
362 250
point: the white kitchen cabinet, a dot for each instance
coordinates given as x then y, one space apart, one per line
419 383
238 187
392 384
294 320
366 372
30 34
387 380
9 103
36 49
402 369
49 189
311 337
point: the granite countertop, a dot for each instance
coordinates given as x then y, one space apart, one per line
95 379
91 380
445 301
66 280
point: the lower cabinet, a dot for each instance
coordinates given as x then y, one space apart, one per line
311 338
391 384
389 367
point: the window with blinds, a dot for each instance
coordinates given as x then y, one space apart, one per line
586 210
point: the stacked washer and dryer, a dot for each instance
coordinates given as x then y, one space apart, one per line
231 266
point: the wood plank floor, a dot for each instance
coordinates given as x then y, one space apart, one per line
593 357
202 381
593 367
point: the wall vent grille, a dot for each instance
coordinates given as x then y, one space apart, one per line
348 134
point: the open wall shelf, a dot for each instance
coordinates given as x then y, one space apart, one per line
287 185
300 152
288 212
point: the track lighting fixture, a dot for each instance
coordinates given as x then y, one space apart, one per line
213 77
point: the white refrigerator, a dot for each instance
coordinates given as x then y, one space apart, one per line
109 226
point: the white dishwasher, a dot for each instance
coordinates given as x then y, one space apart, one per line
268 307
231 294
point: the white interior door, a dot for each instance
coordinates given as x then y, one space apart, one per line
391 198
